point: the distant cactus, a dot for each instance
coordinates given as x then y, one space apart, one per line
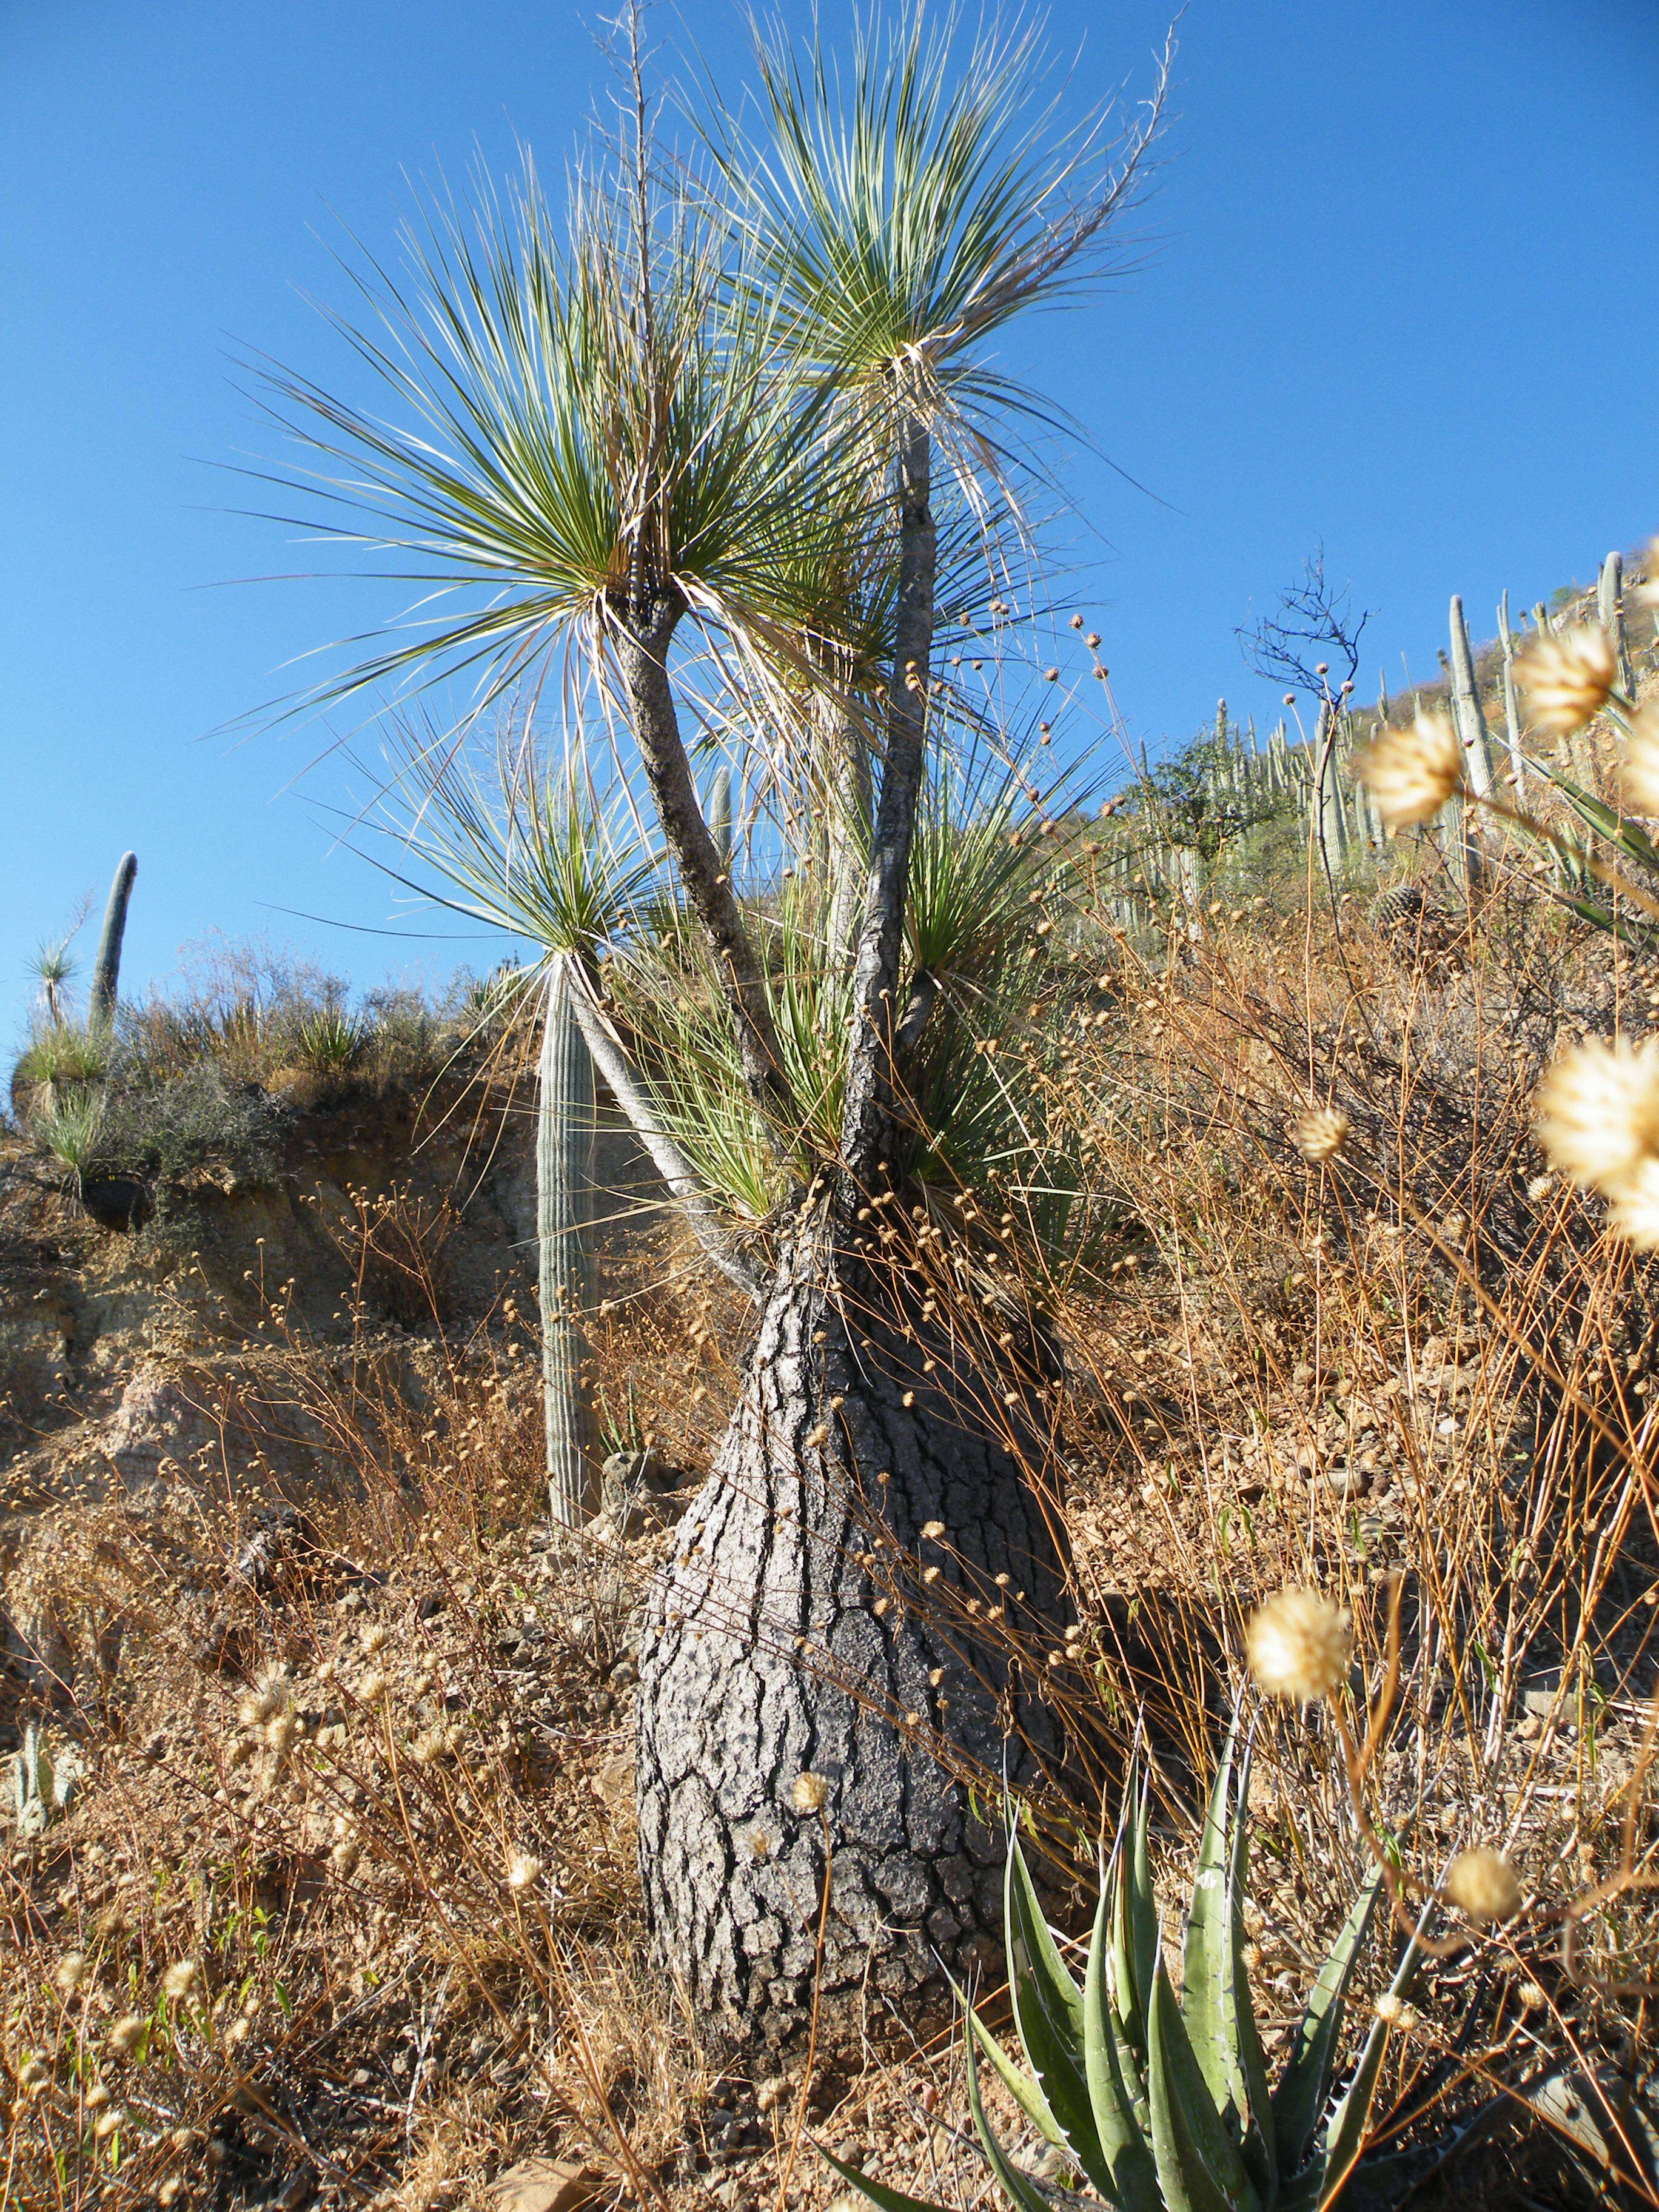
719 815
1466 709
1511 709
106 968
1610 606
564 1160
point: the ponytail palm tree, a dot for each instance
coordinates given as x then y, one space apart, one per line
686 454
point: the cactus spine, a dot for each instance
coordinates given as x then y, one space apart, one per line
106 968
564 1162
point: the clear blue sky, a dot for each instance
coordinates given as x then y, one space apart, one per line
1405 297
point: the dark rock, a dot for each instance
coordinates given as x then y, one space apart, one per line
118 1202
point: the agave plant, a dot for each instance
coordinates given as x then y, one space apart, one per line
331 1041
1162 2102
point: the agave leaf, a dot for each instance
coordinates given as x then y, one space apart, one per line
1199 2167
1049 2013
889 2199
1261 2139
1344 2137
1134 1921
1025 2093
1299 2100
1121 2120
1017 2185
1631 839
1207 1951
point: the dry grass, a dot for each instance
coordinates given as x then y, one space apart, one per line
1419 1360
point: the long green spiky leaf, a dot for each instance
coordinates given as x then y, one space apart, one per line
1305 2084
889 2200
1344 2136
1135 1920
1025 2093
1049 2013
1260 2138
1199 2167
1207 1950
1120 2118
1015 2184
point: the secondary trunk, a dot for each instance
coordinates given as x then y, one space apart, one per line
564 1176
793 1632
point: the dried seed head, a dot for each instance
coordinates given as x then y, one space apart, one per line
1598 1112
372 1688
279 1733
807 1792
124 2034
1566 677
179 1979
1483 1884
1297 1644
1394 2012
271 1694
523 1870
1320 1133
1638 766
1633 1210
107 2123
170 2190
373 1639
71 1972
932 1530
35 2075
1412 773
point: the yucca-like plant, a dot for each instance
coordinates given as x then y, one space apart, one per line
69 1127
331 1041
1162 2103
679 454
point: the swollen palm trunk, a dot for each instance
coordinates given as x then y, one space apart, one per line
793 1632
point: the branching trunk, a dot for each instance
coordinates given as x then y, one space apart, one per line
875 974
793 1632
642 655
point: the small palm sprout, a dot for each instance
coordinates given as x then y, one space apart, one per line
1297 1644
1412 773
1568 678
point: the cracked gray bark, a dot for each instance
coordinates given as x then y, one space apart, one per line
791 1632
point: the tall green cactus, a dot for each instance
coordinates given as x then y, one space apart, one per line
1511 707
1467 710
1610 606
106 968
719 815
564 1183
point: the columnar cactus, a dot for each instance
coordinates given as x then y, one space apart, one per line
720 814
1466 709
1512 708
1610 606
564 1181
106 968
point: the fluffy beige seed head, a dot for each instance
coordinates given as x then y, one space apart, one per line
1566 677
1412 773
1633 1210
807 1792
932 1530
372 1688
1483 1884
1638 766
179 1979
523 1870
1297 1645
124 2034
1598 1112
1320 1133
71 1972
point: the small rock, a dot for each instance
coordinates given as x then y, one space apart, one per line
547 2184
